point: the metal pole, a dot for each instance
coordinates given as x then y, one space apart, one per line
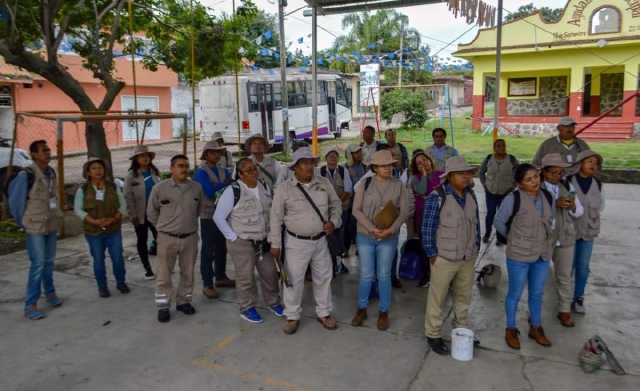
133 68
60 158
400 62
284 92
496 109
314 78
193 85
185 124
235 67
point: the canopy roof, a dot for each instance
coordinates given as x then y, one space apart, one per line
330 7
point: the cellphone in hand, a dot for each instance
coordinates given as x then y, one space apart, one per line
571 195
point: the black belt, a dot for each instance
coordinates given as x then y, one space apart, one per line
179 236
318 236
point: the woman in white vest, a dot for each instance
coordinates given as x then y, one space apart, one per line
590 193
140 179
567 209
242 215
496 177
377 245
527 228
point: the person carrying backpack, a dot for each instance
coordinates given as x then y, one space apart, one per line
33 201
525 219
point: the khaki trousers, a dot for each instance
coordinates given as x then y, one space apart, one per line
443 272
299 254
562 265
170 249
246 262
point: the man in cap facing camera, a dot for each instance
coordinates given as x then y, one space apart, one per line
269 168
451 240
305 240
565 143
226 159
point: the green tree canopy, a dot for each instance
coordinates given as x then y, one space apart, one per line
548 14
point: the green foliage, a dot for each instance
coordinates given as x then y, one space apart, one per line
548 14
261 23
405 101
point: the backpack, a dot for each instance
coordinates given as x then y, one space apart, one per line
512 158
31 178
410 266
323 171
443 196
516 207
235 186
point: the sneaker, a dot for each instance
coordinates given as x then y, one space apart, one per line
438 346
153 250
277 309
486 239
424 282
33 313
164 315
344 269
577 305
123 288
148 273
103 291
251 315
186 309
395 282
54 300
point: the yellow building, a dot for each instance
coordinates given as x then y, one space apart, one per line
582 65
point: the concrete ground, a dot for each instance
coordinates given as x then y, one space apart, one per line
116 344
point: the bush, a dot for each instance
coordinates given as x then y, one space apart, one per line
411 103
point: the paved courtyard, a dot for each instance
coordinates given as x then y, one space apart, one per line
116 344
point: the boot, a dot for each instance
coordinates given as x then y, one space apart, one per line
511 336
565 319
537 333
361 315
383 320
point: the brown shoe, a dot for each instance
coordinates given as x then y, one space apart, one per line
328 323
383 320
565 319
537 333
226 283
211 293
360 317
511 336
291 326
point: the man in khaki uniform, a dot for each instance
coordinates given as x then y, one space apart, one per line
451 240
305 241
226 160
173 208
269 168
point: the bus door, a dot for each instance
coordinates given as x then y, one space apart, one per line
331 102
265 101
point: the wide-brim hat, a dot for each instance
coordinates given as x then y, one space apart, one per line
354 148
382 158
217 136
583 155
457 164
554 160
248 142
85 166
302 153
328 151
142 149
566 121
211 146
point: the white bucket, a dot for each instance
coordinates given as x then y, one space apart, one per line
462 344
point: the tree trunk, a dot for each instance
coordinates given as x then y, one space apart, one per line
97 143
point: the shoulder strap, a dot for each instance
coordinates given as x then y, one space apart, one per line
265 172
488 157
31 176
516 208
473 195
442 195
599 182
547 195
341 171
323 170
514 161
567 184
313 205
236 192
367 183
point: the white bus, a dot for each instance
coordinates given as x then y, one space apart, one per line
261 106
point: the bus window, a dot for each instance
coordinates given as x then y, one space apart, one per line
341 98
296 94
321 92
252 94
277 95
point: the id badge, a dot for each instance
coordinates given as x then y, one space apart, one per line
569 159
100 195
53 203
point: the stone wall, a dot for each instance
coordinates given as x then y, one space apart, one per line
552 99
539 129
611 91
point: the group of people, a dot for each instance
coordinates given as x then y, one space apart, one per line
267 217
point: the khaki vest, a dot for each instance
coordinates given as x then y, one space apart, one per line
499 175
209 206
268 165
440 163
373 202
588 225
38 218
250 220
338 185
530 235
565 229
456 233
101 209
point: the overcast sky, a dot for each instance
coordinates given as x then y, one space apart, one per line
437 25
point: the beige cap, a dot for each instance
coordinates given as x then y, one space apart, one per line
382 158
211 146
85 166
554 160
247 143
456 164
566 121
142 149
302 153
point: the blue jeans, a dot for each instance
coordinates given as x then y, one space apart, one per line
42 251
97 246
581 259
213 253
376 256
519 273
493 203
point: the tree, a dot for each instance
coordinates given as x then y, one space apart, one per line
410 102
35 29
262 23
548 14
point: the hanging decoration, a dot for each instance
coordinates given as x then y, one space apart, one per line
472 10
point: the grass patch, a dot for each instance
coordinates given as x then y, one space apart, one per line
475 147
9 229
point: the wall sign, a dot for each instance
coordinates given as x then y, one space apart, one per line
526 86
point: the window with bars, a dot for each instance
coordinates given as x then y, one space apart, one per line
6 97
